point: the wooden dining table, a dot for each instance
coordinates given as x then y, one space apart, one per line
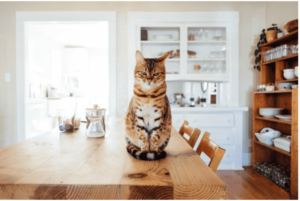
57 165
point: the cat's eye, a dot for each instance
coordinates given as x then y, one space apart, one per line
143 73
155 74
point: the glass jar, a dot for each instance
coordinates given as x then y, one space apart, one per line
286 50
66 120
271 54
267 55
95 122
278 53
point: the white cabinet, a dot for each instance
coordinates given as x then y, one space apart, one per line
225 128
210 55
177 120
191 45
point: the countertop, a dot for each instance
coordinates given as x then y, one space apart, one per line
197 108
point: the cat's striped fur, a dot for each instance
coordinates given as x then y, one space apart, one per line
148 120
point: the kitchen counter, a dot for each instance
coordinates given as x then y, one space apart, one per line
227 126
175 108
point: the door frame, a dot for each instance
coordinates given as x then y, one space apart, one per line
63 16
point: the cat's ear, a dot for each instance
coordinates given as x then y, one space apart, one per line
164 57
139 57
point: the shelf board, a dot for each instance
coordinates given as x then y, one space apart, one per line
271 185
281 59
274 92
290 80
160 42
200 41
282 40
273 120
208 59
273 148
173 60
197 77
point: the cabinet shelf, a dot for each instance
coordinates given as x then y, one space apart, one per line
282 40
160 42
272 185
208 59
273 120
281 59
274 92
216 42
273 148
172 60
290 80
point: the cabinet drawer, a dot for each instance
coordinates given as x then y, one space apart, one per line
229 155
221 139
227 158
210 120
177 120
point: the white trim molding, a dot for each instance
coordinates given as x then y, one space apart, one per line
22 18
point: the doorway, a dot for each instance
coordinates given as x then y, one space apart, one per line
68 62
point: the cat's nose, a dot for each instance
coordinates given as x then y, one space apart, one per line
149 81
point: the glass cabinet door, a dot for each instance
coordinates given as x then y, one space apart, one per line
155 41
206 50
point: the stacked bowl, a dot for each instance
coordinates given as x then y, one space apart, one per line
289 74
269 112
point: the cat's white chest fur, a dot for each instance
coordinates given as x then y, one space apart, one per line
149 114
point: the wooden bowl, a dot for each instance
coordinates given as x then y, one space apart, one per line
271 35
291 25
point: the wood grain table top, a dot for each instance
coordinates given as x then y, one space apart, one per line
58 165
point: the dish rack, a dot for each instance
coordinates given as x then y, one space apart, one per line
272 72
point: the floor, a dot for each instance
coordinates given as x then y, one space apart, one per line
244 184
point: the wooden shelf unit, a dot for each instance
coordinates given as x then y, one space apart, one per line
272 72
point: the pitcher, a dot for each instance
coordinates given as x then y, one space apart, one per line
95 122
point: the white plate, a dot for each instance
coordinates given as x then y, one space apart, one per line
284 117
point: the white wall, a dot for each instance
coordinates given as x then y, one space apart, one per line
253 18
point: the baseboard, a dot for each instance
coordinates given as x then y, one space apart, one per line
247 159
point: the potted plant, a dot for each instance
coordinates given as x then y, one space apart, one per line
271 33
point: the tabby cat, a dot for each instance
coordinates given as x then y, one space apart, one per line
148 119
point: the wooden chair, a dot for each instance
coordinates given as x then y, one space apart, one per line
212 150
193 133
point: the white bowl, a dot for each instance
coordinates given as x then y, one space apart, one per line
267 137
269 112
289 76
284 85
296 71
288 70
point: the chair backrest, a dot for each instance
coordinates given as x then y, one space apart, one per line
212 150
193 133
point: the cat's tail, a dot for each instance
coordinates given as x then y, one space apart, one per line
136 153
